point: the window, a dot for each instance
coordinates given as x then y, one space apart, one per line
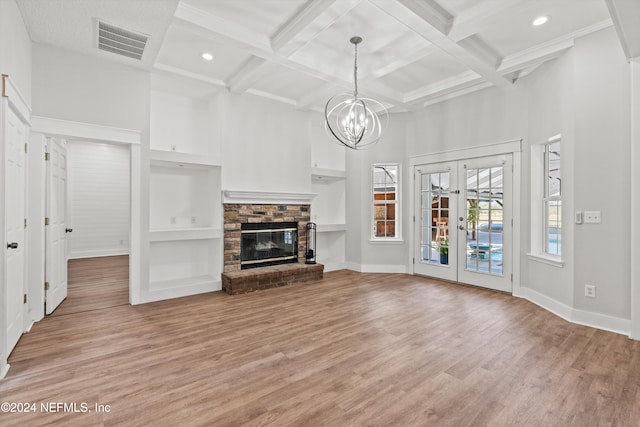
386 208
552 199
546 202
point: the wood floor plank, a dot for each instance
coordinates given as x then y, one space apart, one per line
352 349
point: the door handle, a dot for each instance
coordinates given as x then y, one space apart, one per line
461 227
68 230
12 245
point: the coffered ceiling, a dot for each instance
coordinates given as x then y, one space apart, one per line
414 52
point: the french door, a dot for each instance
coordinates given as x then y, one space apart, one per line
463 221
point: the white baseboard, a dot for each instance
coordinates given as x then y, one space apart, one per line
98 253
376 268
4 368
333 266
573 315
178 292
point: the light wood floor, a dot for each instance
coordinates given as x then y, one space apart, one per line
95 283
353 349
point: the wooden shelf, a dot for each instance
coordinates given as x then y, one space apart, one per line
328 228
176 159
327 176
173 234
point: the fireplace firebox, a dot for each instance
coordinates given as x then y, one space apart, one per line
268 243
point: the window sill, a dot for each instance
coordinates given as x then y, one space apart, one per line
386 241
555 262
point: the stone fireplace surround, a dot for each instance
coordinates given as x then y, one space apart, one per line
236 281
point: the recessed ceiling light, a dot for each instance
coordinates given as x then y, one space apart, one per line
207 56
540 20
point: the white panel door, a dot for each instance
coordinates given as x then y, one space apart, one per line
16 137
56 231
463 228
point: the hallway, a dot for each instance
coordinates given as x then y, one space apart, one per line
96 283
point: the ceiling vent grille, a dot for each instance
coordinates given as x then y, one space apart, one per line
120 41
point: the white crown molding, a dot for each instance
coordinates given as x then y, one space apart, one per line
16 100
84 131
267 197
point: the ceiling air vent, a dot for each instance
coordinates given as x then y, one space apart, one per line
120 41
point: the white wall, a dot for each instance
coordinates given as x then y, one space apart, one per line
362 254
584 95
98 199
179 123
85 89
265 145
602 171
15 48
15 61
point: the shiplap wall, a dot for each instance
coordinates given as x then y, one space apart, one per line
98 199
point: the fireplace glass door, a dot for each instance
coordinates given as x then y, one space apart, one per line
265 244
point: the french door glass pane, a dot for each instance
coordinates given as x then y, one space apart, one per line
434 245
484 220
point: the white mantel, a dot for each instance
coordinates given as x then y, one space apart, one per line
267 197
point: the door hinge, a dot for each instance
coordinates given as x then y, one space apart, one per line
25 298
46 220
25 223
25 147
46 286
46 156
512 277
414 218
414 260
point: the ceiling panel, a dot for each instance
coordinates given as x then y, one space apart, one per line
182 49
71 24
262 16
509 33
170 83
384 41
431 69
287 83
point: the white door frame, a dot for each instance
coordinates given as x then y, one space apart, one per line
509 147
43 127
10 99
635 200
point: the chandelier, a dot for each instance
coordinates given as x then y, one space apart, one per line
353 121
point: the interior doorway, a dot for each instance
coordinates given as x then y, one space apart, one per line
463 230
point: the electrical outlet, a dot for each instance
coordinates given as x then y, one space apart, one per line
592 217
578 217
173 220
590 291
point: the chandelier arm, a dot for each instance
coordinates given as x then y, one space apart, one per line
355 71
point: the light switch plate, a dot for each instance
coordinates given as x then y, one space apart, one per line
578 217
592 217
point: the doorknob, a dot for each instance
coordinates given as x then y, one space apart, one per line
68 230
461 227
461 218
12 245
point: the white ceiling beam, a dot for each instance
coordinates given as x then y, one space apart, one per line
472 20
318 96
299 22
455 94
229 32
547 51
443 87
431 12
626 19
303 27
184 73
412 14
249 73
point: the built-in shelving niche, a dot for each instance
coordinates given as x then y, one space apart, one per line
185 218
328 211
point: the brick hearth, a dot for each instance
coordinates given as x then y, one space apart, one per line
240 282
